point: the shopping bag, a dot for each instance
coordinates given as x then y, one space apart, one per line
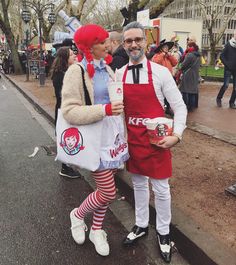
79 145
114 147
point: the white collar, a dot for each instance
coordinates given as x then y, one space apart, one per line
97 62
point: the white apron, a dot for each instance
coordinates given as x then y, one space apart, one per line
114 147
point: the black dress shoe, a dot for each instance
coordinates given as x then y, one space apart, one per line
218 103
134 235
232 106
164 247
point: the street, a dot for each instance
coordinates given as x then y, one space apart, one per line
36 202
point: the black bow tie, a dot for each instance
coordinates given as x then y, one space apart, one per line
135 71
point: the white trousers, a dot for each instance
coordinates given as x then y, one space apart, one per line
162 195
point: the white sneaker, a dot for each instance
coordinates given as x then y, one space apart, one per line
78 228
99 239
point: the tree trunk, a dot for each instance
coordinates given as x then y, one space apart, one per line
6 28
212 46
212 53
13 48
46 32
14 52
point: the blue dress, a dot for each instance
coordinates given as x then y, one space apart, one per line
112 125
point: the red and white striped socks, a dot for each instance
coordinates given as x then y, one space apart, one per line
99 200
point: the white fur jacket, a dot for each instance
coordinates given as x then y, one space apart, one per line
73 99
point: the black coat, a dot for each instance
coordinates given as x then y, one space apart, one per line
120 58
228 57
190 68
57 80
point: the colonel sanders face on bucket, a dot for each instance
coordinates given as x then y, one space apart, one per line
72 141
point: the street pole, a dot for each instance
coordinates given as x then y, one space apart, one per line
27 54
39 10
41 61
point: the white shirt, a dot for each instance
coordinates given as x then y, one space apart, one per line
165 87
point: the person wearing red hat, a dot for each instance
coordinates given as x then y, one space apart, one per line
163 55
94 74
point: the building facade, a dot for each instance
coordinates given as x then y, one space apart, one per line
190 9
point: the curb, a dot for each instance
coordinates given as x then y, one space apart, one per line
194 244
225 137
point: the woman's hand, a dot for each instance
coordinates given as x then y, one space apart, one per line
117 107
168 142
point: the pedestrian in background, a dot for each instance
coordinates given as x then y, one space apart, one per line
64 58
189 83
164 57
91 40
228 58
5 64
150 52
49 61
146 84
120 57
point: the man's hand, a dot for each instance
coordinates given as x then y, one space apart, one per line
117 108
168 142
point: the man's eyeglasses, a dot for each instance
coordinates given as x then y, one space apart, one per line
137 40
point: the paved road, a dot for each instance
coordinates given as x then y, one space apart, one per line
35 202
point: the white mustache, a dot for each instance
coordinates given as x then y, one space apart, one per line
134 49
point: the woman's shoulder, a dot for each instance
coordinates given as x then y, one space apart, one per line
74 70
75 66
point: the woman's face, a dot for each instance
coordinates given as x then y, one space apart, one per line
165 48
100 49
72 56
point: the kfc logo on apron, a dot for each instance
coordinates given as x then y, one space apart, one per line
72 141
120 147
137 121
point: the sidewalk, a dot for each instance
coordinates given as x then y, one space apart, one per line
211 120
208 119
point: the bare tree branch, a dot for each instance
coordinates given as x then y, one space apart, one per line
142 4
211 16
8 3
157 9
84 16
60 6
79 8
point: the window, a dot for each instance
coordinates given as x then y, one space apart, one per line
227 10
223 39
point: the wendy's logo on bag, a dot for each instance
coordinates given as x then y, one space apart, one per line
119 91
72 141
120 147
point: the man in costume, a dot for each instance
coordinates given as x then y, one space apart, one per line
146 84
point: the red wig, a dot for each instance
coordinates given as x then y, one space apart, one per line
85 37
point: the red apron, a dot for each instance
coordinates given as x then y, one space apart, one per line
140 103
